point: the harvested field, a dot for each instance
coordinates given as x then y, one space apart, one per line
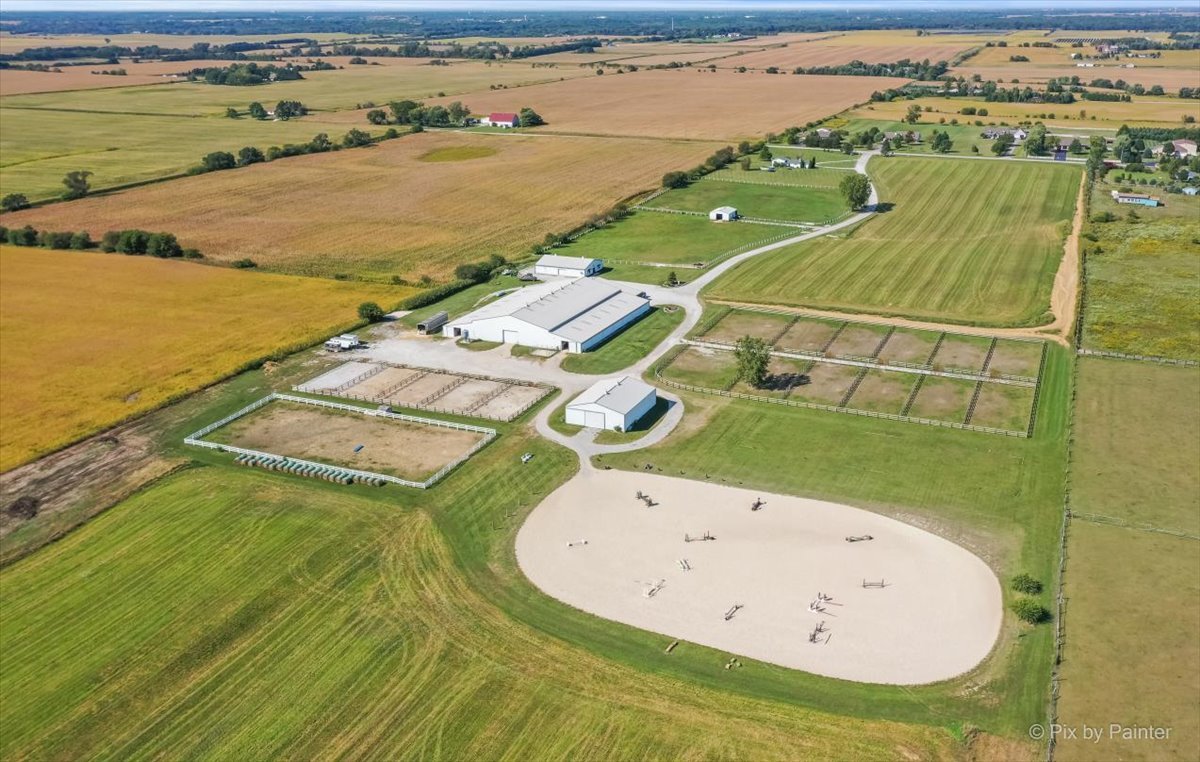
738 323
1170 78
1142 110
87 76
943 399
102 354
836 53
917 260
408 450
808 336
959 352
338 212
721 105
772 563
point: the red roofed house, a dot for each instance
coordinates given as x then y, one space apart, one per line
498 119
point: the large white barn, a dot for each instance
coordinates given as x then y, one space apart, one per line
612 403
569 267
574 317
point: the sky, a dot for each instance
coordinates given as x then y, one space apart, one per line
577 5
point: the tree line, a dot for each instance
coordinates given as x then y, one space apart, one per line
921 70
130 241
321 143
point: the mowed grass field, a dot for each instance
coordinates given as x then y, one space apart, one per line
965 241
627 347
752 198
1142 110
386 210
1133 597
172 621
87 340
683 103
1143 278
672 239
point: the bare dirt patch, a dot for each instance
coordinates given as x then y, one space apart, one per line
908 346
389 446
463 398
736 324
961 353
514 401
882 392
857 341
1019 358
380 383
828 383
943 399
418 391
807 336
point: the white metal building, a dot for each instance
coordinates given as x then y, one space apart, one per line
723 214
612 403
570 267
575 316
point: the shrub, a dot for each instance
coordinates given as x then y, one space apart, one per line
26 236
370 312
51 240
244 264
1029 610
81 240
14 202
24 507
1023 583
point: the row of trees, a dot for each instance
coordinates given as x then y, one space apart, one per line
455 114
221 160
908 69
248 74
130 241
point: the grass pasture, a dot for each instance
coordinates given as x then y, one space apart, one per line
670 239
381 211
627 347
1142 110
91 339
779 201
369 609
704 105
1142 278
921 258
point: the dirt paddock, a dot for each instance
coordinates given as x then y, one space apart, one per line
406 449
937 616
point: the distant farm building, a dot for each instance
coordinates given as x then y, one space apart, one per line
343 342
907 136
991 133
501 119
723 214
1181 148
1190 191
569 267
612 403
433 323
1136 198
574 317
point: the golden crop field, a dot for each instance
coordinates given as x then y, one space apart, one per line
836 52
388 209
20 81
15 43
1170 79
684 103
87 339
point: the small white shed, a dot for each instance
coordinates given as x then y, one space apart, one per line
568 267
612 403
723 214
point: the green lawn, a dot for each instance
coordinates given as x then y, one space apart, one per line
1143 277
640 428
751 198
676 239
973 242
462 302
963 135
627 347
1137 443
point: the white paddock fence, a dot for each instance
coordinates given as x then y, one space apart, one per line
196 439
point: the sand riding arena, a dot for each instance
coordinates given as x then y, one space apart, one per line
806 584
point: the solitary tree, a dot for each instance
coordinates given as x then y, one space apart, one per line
753 355
370 312
527 117
355 138
941 142
14 202
765 154
218 160
856 190
885 147
77 185
377 116
914 114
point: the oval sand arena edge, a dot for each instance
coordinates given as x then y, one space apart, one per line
937 616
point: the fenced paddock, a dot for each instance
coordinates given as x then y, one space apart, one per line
439 391
331 440
933 378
